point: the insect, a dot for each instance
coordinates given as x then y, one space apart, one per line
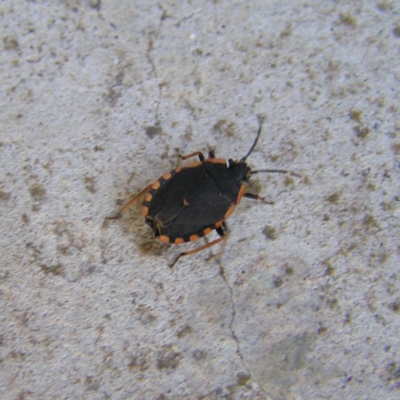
189 202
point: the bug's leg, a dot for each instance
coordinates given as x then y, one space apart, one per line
220 232
256 197
211 154
196 153
134 199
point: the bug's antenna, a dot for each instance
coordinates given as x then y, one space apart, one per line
279 171
260 120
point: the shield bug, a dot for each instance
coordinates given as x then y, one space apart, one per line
189 202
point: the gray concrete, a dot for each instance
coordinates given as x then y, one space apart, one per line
98 98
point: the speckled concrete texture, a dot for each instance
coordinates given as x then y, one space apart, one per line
97 100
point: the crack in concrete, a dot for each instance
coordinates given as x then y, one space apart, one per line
150 47
233 333
153 36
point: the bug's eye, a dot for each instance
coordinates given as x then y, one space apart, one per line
230 163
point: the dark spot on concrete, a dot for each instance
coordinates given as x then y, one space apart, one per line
119 78
269 232
351 247
112 96
60 228
57 269
277 281
96 4
152 131
145 314
395 306
381 256
288 181
380 320
370 222
396 31
64 250
188 135
224 127
90 184
186 330
286 32
347 19
168 358
24 395
37 192
289 270
242 378
332 303
4 196
396 148
139 361
355 115
333 198
199 355
329 271
98 148
391 374
92 385
362 131
10 43
384 5
321 330
91 269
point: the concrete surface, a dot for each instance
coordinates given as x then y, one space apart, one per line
97 100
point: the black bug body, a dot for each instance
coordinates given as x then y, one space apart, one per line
189 202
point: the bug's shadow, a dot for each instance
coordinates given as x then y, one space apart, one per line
149 245
133 226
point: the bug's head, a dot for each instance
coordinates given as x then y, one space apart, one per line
240 170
